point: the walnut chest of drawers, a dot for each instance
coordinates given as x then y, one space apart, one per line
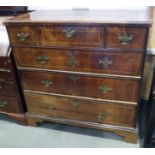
10 98
81 68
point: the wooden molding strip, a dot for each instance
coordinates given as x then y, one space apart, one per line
81 73
84 98
84 123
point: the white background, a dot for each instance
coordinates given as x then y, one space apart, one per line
70 4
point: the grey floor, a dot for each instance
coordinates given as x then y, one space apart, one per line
52 135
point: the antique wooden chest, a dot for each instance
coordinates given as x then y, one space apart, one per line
81 68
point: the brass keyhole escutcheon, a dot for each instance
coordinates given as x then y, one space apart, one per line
101 116
72 62
104 89
76 103
49 107
74 77
47 83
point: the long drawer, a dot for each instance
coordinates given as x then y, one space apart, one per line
9 104
98 87
8 88
80 60
85 110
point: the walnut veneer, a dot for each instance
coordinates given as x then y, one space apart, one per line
81 67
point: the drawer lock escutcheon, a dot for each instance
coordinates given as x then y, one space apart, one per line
105 62
42 59
104 89
76 103
3 104
69 32
125 38
74 77
47 83
49 107
102 115
72 53
72 62
22 36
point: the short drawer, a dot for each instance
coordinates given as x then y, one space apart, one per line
126 38
7 88
6 76
71 36
98 87
9 104
22 35
85 110
123 63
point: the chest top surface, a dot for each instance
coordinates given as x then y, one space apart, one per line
84 16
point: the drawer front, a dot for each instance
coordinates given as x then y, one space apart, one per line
5 63
132 38
9 104
125 63
6 76
99 87
71 36
85 110
7 88
22 35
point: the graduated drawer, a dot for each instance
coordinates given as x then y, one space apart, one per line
98 87
7 88
85 110
80 36
22 35
9 104
124 37
124 63
6 75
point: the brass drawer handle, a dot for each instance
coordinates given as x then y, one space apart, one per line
76 103
105 62
42 59
3 104
69 32
104 89
49 107
72 62
22 36
46 83
74 77
125 38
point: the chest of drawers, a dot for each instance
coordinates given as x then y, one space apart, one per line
10 99
81 68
